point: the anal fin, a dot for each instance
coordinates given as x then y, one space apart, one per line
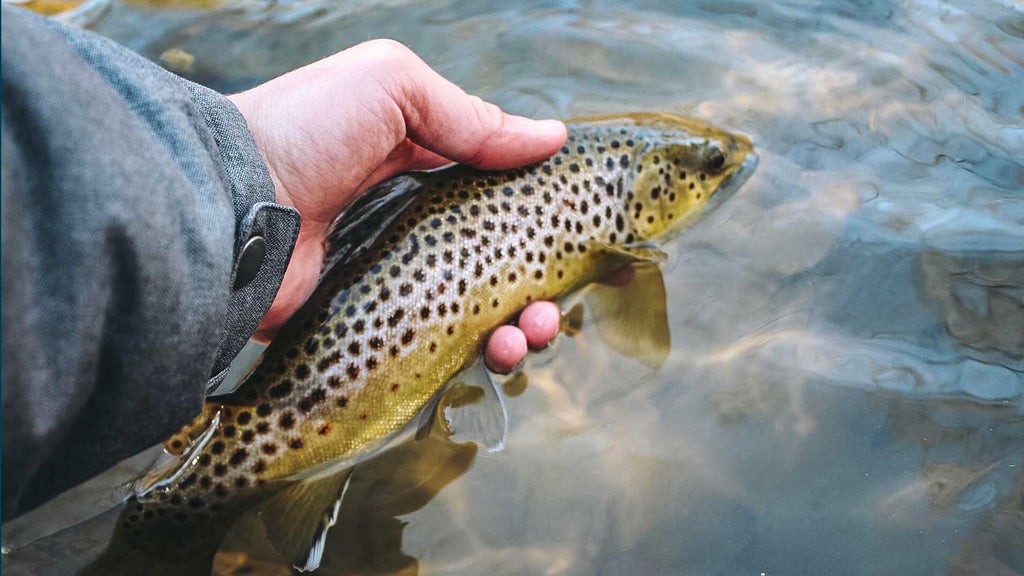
298 519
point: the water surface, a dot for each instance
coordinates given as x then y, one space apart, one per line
845 393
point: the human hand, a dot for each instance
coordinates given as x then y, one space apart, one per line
332 129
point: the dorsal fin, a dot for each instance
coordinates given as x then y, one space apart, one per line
358 227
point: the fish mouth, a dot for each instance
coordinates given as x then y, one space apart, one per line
735 181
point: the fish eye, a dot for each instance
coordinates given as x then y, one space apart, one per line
716 160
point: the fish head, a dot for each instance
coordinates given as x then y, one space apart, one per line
677 166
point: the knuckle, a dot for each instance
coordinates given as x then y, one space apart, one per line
490 117
490 120
388 50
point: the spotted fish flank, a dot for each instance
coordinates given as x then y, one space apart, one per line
420 272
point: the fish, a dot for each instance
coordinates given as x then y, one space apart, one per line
420 270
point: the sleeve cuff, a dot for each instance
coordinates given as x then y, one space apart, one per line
259 266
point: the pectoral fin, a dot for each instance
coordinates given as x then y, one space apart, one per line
633 319
469 408
297 519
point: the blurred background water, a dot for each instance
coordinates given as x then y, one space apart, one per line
845 393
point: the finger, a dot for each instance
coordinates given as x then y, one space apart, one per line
540 322
441 117
505 348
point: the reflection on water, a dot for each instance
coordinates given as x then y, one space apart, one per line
845 393
367 538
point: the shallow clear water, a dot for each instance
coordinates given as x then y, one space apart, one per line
845 393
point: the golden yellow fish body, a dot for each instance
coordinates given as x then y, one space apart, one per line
454 254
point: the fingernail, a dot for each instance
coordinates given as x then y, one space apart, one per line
551 124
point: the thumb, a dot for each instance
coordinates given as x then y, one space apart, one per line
443 119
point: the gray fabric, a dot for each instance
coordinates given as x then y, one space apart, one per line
127 194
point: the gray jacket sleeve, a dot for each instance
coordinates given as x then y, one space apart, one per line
128 195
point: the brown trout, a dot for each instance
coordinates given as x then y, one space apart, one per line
420 271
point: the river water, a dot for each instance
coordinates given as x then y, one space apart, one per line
845 393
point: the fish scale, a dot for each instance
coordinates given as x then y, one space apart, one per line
391 323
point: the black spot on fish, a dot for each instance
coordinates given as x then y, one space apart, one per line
286 421
397 317
217 447
277 391
328 361
263 409
238 457
352 371
295 444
